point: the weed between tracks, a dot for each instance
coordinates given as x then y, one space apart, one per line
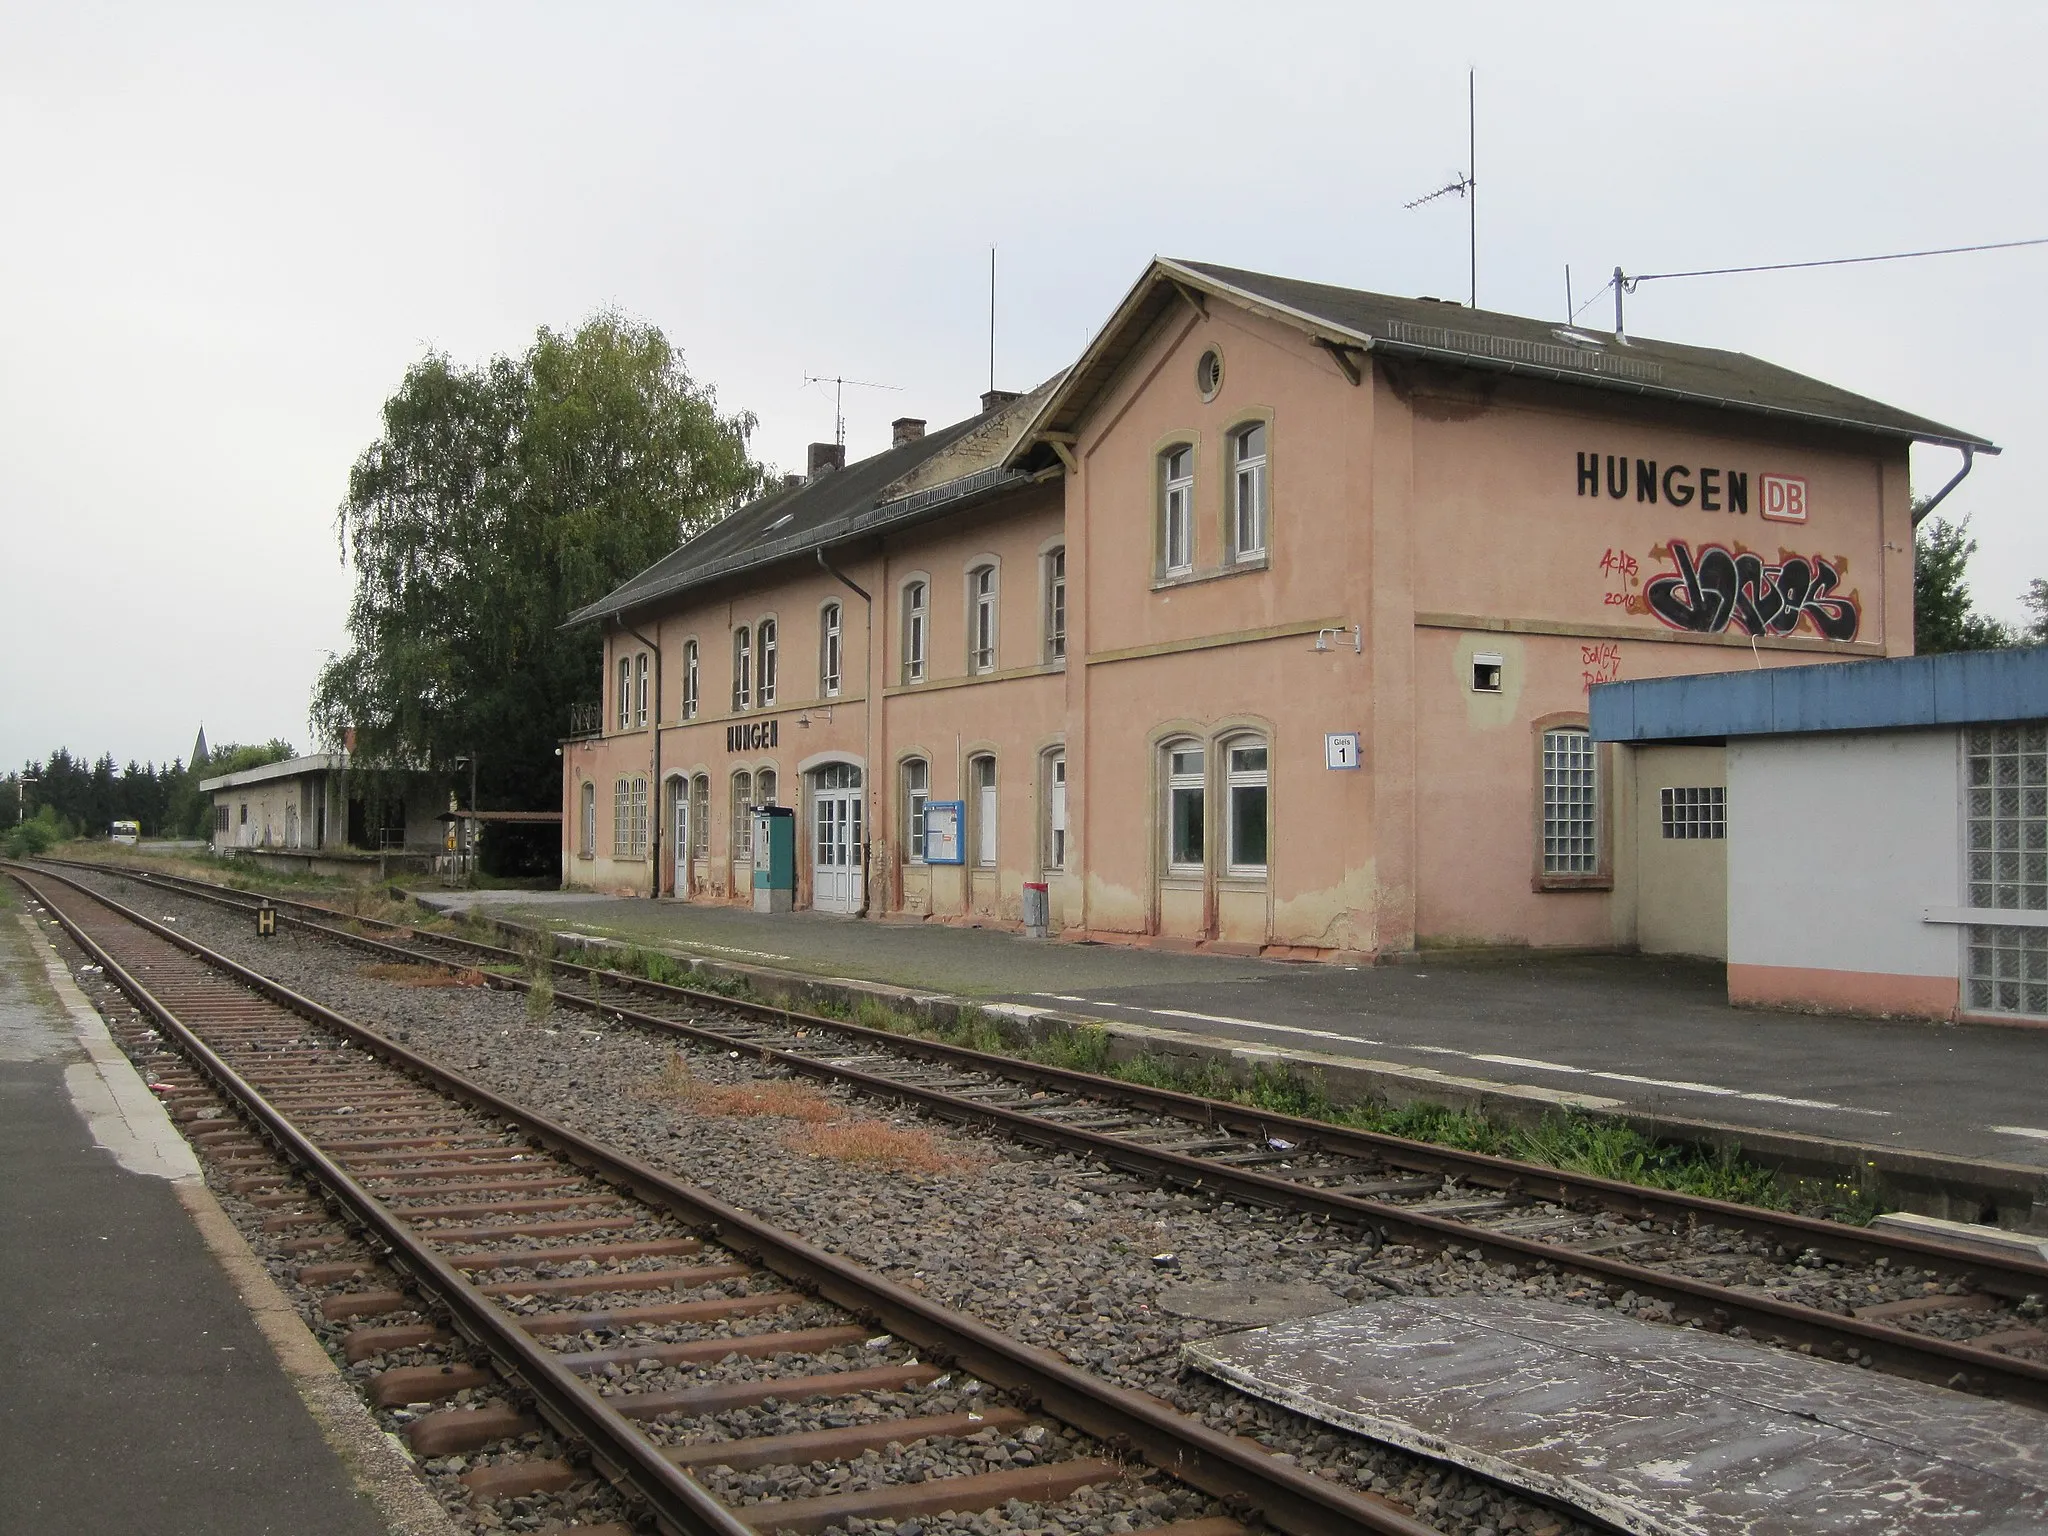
413 975
825 1129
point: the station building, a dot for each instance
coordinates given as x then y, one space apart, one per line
1267 627
325 814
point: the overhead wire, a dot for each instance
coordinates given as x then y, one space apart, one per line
1837 261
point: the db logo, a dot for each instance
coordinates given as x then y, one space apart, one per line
1784 498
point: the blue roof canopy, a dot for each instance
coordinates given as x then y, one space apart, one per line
1962 688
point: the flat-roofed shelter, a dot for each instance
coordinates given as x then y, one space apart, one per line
322 804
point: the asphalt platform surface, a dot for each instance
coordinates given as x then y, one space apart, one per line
136 1392
1655 1036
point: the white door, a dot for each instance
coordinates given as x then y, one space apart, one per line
679 844
836 839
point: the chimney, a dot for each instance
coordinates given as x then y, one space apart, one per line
905 429
991 398
826 457
792 481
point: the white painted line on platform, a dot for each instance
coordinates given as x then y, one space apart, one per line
1527 1063
2033 1133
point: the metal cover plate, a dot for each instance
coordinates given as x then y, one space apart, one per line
1658 1430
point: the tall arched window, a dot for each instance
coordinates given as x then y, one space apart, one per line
690 680
622 817
640 689
981 619
764 787
1177 510
623 694
981 778
1245 783
636 815
700 813
742 815
764 642
916 630
830 651
1187 810
1248 491
1055 851
586 819
742 669
917 779
1571 807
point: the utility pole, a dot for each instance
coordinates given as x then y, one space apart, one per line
1472 175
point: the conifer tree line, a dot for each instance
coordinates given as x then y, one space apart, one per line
77 796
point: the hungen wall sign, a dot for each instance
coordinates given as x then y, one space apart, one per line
1780 498
1710 588
754 736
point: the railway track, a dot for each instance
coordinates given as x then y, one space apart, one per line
1618 1237
511 1280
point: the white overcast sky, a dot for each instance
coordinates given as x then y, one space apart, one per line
229 230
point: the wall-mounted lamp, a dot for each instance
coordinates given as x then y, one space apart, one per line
804 719
1356 632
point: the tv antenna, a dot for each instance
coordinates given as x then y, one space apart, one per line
839 387
1466 183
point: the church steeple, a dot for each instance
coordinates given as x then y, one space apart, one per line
198 758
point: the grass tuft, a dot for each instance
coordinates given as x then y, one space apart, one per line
413 975
872 1143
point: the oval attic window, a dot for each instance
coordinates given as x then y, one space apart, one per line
1209 373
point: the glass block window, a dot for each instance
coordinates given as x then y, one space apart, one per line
1700 812
2006 811
1571 835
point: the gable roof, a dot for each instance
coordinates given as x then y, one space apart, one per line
943 471
1350 323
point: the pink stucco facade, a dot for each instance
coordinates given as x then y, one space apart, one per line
1427 532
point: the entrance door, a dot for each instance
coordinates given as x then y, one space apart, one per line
679 842
836 839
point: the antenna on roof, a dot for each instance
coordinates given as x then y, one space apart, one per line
991 319
839 386
1466 182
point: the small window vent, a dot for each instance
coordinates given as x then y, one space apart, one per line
1486 671
1209 373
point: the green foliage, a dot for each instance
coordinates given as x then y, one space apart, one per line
1944 616
498 499
37 835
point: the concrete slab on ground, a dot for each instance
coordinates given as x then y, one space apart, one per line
139 1394
1657 1430
1649 1035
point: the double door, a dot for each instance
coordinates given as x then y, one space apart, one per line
836 812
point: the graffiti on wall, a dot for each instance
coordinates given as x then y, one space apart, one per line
1599 662
1714 588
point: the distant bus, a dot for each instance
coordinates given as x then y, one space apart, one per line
125 832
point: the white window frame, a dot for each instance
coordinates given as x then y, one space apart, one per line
1177 510
1249 497
1241 781
916 778
741 787
1180 782
983 588
637 810
831 650
917 620
986 805
742 669
1056 811
700 815
765 662
766 785
586 819
640 689
624 700
1570 803
689 710
622 816
1056 605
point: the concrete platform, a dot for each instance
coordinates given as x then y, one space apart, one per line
1659 1431
1651 1037
139 1392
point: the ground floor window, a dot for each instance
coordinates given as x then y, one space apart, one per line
1690 813
1247 789
917 780
764 787
586 819
622 817
1571 836
1186 808
700 814
2005 809
1056 811
742 819
981 774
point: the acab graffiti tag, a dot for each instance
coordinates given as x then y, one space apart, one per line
1718 587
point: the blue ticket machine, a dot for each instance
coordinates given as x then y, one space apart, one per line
774 858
